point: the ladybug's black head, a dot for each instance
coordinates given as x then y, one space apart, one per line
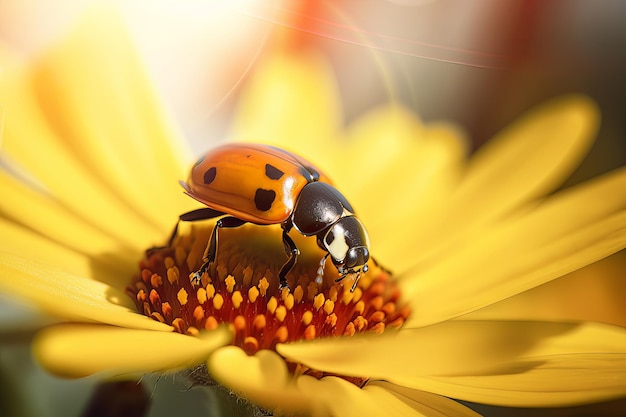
347 243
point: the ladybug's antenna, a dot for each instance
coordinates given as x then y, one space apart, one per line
356 281
358 277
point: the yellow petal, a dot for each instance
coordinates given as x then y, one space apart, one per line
343 398
29 140
522 163
18 240
96 95
441 349
396 173
556 381
69 296
26 243
426 403
262 378
78 350
583 365
42 213
526 160
388 150
569 231
510 363
593 293
376 140
291 102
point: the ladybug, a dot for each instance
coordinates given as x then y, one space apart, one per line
263 185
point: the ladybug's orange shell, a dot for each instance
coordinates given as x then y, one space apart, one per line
229 178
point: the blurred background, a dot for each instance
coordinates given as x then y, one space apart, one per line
478 64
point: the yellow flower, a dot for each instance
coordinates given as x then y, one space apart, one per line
96 165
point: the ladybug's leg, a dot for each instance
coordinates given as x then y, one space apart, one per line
211 250
204 213
320 270
191 216
292 252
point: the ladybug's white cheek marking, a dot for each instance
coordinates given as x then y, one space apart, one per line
338 248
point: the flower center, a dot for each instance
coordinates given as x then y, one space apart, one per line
241 289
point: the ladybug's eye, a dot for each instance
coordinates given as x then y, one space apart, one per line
357 257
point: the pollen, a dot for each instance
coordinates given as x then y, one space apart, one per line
173 274
307 318
201 295
280 313
218 302
241 290
182 296
237 299
271 305
253 294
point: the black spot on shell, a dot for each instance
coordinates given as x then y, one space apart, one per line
263 199
272 172
209 175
